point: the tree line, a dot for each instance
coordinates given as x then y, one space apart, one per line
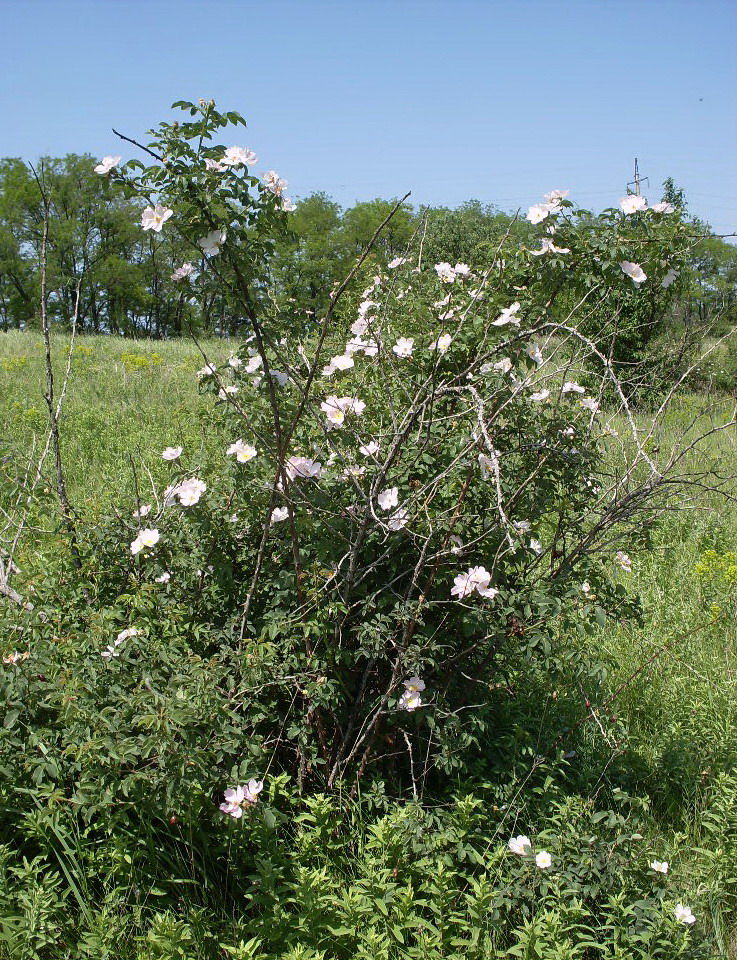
97 252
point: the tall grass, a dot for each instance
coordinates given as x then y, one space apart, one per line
126 399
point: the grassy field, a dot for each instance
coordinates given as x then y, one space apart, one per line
126 399
674 675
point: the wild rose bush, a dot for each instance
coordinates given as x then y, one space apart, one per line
420 492
425 499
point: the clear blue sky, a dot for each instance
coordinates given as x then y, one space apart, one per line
451 99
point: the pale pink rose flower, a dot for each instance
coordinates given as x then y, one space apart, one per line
555 196
488 465
634 271
353 472
538 212
189 491
684 915
359 327
154 218
240 798
254 364
350 405
334 414
344 362
410 700
182 272
398 519
442 343
147 538
478 579
445 272
547 246
303 467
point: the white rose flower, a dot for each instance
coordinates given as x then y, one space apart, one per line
239 157
274 183
442 343
543 860
632 203
210 245
146 539
508 315
520 845
242 451
303 467
404 347
107 164
182 272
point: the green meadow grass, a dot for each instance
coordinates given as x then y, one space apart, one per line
126 400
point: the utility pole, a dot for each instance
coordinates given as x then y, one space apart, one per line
636 182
